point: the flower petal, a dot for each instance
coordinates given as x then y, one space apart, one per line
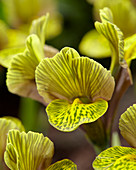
67 117
65 164
117 157
39 27
115 37
6 55
7 123
94 45
21 73
68 76
127 125
28 151
130 48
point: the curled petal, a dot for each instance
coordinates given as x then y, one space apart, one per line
67 117
28 151
117 157
68 76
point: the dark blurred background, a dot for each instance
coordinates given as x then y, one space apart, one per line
77 20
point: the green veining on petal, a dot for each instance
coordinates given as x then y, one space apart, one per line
117 157
127 125
39 27
67 76
28 151
21 73
65 164
67 117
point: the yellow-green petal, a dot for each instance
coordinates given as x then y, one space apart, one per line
6 55
106 15
30 151
21 73
67 117
64 164
127 125
94 45
39 27
7 123
117 157
116 41
130 48
68 76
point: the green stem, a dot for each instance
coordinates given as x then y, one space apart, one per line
122 84
96 135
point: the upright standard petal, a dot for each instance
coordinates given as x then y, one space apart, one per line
117 157
127 125
69 76
39 27
21 73
30 151
115 37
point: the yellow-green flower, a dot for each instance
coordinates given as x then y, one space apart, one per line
21 69
109 39
119 157
6 124
32 151
19 14
80 86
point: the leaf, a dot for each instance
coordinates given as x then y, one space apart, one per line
21 73
94 45
64 164
67 117
117 157
39 27
127 125
28 151
7 55
68 76
7 123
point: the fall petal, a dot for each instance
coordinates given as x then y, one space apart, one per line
117 157
63 164
67 117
